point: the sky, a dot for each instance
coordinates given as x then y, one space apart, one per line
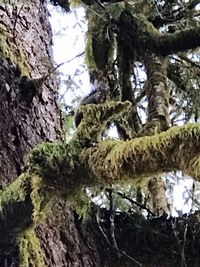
69 41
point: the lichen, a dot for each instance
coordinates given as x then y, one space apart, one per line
31 253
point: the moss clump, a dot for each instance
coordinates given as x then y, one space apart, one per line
96 119
155 151
16 192
55 169
31 253
95 156
75 3
8 50
53 160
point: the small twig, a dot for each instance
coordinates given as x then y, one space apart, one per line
101 229
79 55
112 218
136 203
181 246
65 62
123 253
183 260
42 79
188 60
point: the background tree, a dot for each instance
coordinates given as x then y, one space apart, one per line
38 228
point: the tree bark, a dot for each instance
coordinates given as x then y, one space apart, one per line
25 51
27 117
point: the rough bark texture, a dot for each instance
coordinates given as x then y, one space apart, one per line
27 119
70 241
67 240
25 50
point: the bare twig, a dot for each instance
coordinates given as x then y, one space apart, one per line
136 203
65 62
188 60
41 80
123 253
112 218
180 244
183 259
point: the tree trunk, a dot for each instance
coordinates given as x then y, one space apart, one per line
29 117
25 51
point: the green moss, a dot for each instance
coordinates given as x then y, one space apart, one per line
16 192
21 188
140 158
146 8
47 159
98 40
96 118
9 50
115 10
109 162
36 197
75 3
31 253
80 202
89 56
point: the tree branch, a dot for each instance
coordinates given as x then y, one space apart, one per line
178 41
138 33
60 168
176 149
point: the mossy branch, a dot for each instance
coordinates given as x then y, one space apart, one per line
142 35
119 161
61 169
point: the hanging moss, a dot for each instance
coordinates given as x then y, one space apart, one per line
80 202
31 253
37 197
99 41
16 192
96 119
